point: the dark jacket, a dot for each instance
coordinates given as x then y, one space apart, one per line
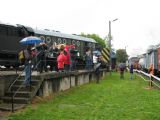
131 69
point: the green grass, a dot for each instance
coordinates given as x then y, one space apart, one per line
112 99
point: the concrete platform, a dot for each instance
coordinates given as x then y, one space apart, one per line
8 107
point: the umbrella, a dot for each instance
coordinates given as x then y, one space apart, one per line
31 40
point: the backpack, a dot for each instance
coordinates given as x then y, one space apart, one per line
23 55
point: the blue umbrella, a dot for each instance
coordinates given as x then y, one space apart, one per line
31 40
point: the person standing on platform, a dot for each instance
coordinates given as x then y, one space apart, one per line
88 59
28 71
41 58
61 60
67 62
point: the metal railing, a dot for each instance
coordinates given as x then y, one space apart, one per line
13 94
152 79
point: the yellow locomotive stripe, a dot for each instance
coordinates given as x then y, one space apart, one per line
104 60
106 51
104 55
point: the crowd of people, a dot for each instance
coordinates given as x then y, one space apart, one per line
64 59
60 58
122 67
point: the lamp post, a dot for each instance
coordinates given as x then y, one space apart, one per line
110 47
126 48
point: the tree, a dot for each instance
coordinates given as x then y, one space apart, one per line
96 37
121 55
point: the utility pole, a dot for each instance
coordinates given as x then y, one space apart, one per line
110 45
110 38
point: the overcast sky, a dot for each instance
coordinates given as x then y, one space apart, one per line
137 27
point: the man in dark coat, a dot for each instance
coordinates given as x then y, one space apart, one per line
131 71
41 58
122 67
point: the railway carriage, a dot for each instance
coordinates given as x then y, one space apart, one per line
152 56
142 61
10 35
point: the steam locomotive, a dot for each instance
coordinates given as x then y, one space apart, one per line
10 35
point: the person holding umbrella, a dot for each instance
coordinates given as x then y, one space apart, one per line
29 41
28 57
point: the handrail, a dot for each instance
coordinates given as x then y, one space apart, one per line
155 77
22 83
21 74
14 94
146 74
16 91
152 77
10 90
15 80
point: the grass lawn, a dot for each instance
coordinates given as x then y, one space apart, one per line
112 99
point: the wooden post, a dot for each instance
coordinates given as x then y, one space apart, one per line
150 82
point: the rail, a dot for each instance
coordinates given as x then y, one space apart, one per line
15 92
152 79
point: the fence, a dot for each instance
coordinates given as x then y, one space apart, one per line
153 80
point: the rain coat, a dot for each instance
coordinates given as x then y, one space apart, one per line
60 60
68 58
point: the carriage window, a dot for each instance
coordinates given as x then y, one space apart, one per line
64 41
73 42
48 40
54 40
42 38
89 44
78 43
68 41
59 40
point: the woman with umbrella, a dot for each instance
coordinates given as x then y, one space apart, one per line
29 41
28 57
